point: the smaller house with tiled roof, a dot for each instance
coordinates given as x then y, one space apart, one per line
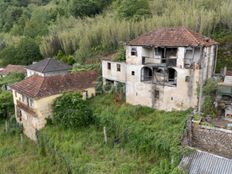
48 67
12 69
164 68
34 96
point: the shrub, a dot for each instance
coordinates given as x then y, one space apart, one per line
71 111
134 9
6 104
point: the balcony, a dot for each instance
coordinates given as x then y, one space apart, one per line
25 108
163 61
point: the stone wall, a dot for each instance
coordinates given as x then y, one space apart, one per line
214 140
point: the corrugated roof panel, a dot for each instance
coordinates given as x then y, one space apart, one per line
206 163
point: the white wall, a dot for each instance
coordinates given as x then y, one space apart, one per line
113 74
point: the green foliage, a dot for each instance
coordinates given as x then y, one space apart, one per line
6 104
11 79
120 55
20 155
24 53
139 139
133 9
83 8
209 90
71 111
87 67
65 58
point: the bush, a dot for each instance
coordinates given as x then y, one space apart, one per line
134 9
6 104
24 53
71 111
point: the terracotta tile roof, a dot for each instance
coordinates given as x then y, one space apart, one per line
13 69
173 37
39 87
49 65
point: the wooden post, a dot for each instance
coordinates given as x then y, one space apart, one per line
105 134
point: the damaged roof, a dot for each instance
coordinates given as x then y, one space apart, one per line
172 37
38 87
12 69
49 65
203 162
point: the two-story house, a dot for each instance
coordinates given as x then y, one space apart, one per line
164 68
34 96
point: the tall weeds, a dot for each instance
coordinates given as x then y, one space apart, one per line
86 38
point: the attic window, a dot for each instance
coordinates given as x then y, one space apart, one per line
109 66
134 51
118 67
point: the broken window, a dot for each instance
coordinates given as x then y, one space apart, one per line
171 52
156 94
172 76
147 74
109 66
134 51
189 53
118 67
132 73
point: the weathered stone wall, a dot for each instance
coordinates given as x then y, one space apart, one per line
214 140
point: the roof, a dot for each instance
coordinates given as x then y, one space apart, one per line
203 162
49 65
172 37
12 69
38 87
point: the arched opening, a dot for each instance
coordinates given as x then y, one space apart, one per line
172 76
146 74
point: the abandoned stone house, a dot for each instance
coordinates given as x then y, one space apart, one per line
34 96
164 68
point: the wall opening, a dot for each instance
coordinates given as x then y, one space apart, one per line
118 67
109 66
172 76
146 74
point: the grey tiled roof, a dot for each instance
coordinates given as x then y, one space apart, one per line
49 65
206 163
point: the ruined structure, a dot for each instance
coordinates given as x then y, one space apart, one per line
164 68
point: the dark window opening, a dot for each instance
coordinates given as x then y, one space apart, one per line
147 74
172 75
118 67
156 94
133 51
109 66
187 79
132 73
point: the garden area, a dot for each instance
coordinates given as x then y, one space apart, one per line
137 140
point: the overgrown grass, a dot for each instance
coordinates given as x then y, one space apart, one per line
21 156
140 140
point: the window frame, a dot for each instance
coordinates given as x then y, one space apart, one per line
118 66
134 51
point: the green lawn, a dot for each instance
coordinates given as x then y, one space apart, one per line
140 140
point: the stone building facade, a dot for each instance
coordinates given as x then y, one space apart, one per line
164 68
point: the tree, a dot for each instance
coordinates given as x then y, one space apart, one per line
6 104
24 53
133 9
82 8
71 111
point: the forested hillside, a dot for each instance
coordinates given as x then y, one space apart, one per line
84 30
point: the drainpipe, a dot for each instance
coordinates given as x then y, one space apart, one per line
201 81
